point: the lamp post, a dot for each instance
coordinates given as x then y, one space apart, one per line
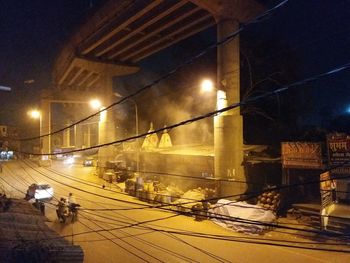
46 116
220 142
228 141
36 114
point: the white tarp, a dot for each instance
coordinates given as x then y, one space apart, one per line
230 214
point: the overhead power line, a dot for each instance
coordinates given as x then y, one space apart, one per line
245 221
213 113
214 215
258 19
117 244
232 219
206 236
243 238
229 218
246 196
136 237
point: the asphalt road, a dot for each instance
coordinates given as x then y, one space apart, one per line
115 227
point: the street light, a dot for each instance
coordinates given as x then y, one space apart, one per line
95 104
44 117
228 146
207 85
36 114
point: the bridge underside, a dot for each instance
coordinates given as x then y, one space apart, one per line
121 33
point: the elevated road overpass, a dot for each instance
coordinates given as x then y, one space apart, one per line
112 41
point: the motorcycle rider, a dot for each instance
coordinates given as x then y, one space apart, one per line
72 202
72 205
62 211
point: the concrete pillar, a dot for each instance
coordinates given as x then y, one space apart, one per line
87 136
66 138
88 142
228 127
78 136
106 127
45 126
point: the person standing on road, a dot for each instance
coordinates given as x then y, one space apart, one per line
42 208
71 199
73 206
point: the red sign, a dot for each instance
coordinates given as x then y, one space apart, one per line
301 155
339 152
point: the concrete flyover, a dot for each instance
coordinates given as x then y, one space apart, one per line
121 33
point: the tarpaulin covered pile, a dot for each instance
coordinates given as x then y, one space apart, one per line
189 199
241 216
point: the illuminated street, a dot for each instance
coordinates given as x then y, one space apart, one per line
174 131
138 234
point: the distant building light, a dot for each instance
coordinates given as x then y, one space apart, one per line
29 81
3 88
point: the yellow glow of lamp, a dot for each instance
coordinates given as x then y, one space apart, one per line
35 114
207 85
95 104
103 115
221 100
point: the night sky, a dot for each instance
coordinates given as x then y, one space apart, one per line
32 33
312 35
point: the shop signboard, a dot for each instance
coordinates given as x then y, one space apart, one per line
327 188
339 153
301 155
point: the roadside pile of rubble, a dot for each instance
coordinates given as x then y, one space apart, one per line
203 204
179 200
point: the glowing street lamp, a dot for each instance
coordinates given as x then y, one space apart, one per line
36 114
45 118
95 104
207 85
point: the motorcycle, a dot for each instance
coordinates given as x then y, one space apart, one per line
73 210
63 212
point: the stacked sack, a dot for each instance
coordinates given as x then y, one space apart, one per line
130 186
270 200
